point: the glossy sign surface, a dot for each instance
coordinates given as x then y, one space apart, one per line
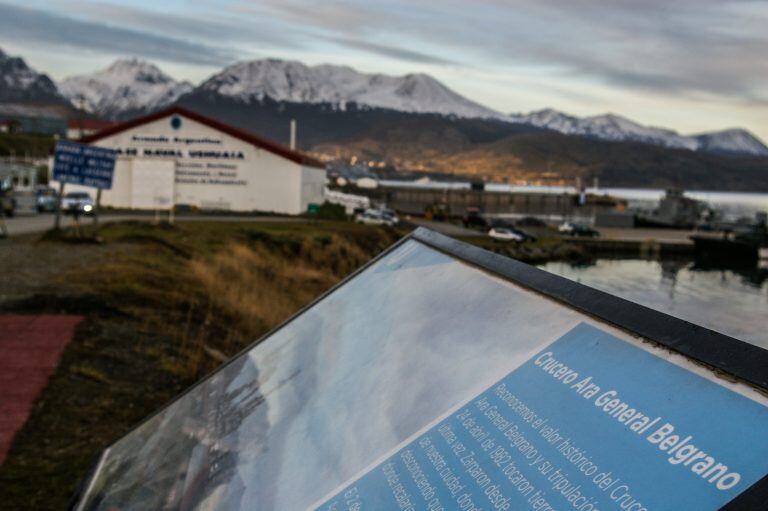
343 385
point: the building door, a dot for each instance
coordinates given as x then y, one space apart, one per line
153 183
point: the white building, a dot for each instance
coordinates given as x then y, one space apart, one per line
79 128
179 157
350 201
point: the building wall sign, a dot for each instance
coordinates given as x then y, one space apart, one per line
187 148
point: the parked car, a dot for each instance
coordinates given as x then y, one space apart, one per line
46 198
574 229
77 203
390 214
376 217
505 234
500 223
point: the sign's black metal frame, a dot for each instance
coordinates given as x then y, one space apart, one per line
720 353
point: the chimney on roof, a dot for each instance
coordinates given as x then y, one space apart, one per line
293 134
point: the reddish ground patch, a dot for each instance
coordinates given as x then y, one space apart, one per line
30 347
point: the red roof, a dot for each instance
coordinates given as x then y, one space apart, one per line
89 124
255 140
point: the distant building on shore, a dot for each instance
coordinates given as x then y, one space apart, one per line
79 128
36 119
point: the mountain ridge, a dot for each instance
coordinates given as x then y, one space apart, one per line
127 85
296 82
250 82
486 149
21 83
614 127
254 93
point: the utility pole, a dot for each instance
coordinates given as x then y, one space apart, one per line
96 209
57 222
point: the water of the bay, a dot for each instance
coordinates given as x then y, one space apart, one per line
734 302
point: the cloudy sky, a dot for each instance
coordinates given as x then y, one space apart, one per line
691 65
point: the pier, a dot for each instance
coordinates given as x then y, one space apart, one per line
645 242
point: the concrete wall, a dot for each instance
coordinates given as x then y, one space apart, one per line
415 201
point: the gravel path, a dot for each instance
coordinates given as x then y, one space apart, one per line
29 267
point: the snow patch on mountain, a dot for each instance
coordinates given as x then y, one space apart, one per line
735 141
127 85
620 129
296 82
605 127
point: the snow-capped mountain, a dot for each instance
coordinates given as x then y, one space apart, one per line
296 82
606 127
19 82
128 85
617 129
549 119
733 141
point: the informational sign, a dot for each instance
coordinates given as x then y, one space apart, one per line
589 423
428 383
84 164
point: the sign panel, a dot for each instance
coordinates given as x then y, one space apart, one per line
425 382
589 423
83 164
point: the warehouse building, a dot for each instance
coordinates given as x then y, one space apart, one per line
79 128
179 157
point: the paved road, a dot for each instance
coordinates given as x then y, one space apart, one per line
671 236
39 223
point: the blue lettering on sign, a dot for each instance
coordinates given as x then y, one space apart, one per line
84 164
590 423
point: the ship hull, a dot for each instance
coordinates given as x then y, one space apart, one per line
724 250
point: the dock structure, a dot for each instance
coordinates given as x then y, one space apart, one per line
647 248
638 241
